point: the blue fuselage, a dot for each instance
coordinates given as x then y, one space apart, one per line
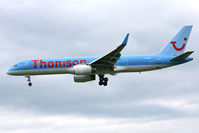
65 65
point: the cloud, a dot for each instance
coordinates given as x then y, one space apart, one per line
22 122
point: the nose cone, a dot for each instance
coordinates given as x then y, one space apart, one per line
10 72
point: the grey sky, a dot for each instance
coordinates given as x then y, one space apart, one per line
156 101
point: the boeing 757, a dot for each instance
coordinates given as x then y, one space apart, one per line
85 69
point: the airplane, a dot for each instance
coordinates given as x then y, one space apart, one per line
86 69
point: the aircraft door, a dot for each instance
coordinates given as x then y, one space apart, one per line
158 60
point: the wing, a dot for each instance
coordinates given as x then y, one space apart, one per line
111 58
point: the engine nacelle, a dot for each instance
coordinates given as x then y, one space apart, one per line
83 69
84 78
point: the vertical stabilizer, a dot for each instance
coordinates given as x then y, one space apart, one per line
178 44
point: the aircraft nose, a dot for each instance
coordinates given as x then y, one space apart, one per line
13 73
8 72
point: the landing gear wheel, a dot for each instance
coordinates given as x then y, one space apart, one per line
29 81
30 84
105 83
103 80
106 79
100 83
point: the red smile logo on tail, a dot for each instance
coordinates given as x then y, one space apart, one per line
178 49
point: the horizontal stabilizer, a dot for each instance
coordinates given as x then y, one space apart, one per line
182 56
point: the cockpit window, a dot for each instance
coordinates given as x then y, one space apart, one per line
15 65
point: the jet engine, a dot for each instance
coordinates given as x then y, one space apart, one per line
84 78
83 69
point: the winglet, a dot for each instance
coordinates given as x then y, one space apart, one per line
125 40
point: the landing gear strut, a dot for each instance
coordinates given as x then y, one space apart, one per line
103 80
29 81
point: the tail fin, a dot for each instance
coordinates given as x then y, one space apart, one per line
178 44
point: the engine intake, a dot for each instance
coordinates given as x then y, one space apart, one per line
83 69
84 78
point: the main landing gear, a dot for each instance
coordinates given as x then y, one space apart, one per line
103 80
28 79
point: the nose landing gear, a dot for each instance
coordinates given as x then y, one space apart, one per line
103 80
29 81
